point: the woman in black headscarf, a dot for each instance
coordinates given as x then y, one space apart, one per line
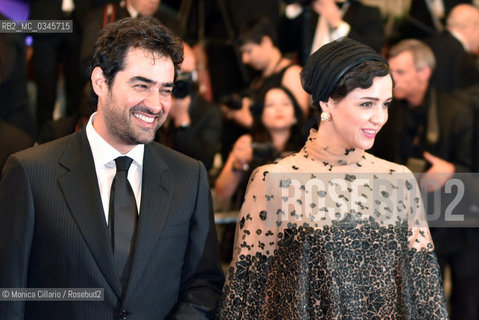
333 232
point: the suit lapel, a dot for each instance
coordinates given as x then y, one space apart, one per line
155 198
82 195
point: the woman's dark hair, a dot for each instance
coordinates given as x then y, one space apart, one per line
296 138
361 76
118 37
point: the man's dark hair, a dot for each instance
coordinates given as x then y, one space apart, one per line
361 76
118 37
253 31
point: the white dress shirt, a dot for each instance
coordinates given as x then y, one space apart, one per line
104 156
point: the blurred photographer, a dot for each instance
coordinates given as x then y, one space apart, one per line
194 125
258 44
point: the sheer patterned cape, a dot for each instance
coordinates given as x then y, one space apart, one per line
332 234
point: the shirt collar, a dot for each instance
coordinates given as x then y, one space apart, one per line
103 153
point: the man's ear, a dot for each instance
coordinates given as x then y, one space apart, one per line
425 73
98 82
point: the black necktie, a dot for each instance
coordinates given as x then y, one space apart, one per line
122 218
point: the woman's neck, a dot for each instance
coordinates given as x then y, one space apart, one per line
328 146
280 137
328 135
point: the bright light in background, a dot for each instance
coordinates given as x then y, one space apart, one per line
14 9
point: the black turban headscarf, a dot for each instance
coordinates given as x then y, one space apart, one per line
330 63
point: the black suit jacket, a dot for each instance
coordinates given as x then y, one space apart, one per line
54 234
365 21
455 67
455 132
420 10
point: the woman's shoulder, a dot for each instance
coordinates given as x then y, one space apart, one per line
381 165
286 164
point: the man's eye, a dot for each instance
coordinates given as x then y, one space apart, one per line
166 92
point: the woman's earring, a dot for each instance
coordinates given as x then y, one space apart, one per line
325 116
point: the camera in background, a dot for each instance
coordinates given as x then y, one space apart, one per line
185 84
232 101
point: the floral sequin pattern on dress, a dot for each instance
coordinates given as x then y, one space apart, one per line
351 243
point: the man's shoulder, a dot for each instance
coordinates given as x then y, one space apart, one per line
170 156
455 110
444 42
457 101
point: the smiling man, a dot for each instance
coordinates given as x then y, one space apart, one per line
105 208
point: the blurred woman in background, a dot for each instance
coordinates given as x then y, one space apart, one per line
276 135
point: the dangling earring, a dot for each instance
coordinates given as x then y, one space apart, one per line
325 116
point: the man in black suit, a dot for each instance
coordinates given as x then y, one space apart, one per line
61 223
430 14
456 50
431 132
304 29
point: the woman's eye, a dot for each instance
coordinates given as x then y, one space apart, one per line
366 104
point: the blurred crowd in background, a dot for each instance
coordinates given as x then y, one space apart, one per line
238 102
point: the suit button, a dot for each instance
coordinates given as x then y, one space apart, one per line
123 315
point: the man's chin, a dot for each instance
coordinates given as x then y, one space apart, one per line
146 139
